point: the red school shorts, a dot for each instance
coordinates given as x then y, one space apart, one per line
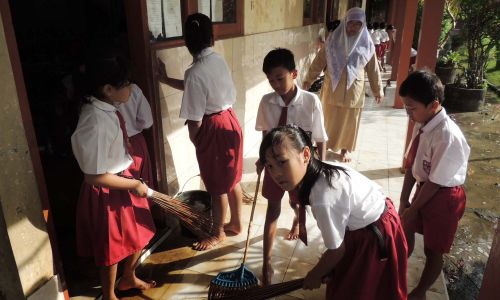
219 150
438 220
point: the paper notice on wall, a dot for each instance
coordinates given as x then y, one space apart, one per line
154 16
215 12
173 20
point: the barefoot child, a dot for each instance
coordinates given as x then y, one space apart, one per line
288 104
113 218
437 162
214 129
366 256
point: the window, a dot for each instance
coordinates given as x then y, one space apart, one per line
166 19
314 12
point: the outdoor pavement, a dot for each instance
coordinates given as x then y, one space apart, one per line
182 273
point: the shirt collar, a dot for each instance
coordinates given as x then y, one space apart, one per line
438 118
205 52
102 105
297 100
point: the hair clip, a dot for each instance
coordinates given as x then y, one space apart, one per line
195 22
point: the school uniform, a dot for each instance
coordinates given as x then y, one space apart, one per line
138 116
110 224
374 265
209 94
376 41
305 111
441 158
384 41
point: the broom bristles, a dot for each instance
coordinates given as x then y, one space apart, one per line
196 222
254 292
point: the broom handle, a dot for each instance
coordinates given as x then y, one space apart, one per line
251 218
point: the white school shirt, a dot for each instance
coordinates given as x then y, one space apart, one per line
354 202
208 86
304 110
442 152
97 142
375 37
384 36
136 112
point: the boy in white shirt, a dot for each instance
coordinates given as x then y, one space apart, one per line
437 162
288 104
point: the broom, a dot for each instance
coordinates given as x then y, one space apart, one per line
265 292
235 282
194 221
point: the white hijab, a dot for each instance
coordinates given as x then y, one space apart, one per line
354 52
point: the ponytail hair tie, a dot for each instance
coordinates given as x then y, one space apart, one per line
195 22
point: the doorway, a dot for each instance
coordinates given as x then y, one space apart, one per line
52 38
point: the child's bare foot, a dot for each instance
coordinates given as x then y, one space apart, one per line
209 242
232 229
343 156
294 231
135 283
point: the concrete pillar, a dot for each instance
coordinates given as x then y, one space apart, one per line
430 29
410 14
398 24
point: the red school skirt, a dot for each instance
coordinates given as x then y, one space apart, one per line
111 224
219 150
141 167
361 274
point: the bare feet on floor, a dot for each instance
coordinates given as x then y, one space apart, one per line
209 242
135 283
294 231
344 157
232 229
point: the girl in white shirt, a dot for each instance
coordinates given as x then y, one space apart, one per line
138 116
214 129
367 252
113 219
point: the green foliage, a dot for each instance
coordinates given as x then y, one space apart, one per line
448 59
480 23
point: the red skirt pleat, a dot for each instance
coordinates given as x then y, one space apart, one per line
111 224
219 150
361 274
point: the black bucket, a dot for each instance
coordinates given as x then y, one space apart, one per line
199 200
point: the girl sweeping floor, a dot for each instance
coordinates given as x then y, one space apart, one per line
209 95
113 218
366 256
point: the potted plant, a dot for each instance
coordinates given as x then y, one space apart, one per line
446 66
479 24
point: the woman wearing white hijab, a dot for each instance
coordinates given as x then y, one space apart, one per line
348 53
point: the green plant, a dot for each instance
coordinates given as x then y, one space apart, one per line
448 59
480 23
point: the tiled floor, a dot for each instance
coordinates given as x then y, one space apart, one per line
182 273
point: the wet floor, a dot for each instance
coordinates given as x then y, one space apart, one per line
464 266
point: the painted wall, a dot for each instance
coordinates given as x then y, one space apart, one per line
265 15
244 56
19 197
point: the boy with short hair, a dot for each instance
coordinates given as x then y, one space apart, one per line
288 104
437 162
